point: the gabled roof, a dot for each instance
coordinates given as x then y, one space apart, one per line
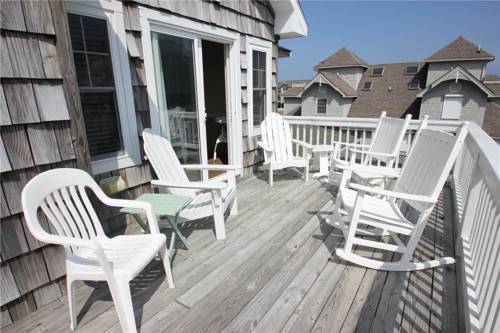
460 49
292 92
458 73
491 122
389 92
335 82
494 87
491 78
342 58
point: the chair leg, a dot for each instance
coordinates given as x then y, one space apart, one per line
306 173
70 285
270 175
234 207
220 230
122 298
166 264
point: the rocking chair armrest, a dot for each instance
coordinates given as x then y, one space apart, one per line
371 153
190 185
392 194
375 170
218 167
358 145
303 144
265 146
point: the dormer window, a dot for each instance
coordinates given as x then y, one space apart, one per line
411 70
378 71
368 85
414 84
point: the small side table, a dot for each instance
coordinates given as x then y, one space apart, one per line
167 205
323 151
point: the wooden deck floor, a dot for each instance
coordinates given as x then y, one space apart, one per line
275 272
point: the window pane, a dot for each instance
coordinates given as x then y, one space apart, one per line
101 122
378 71
367 85
259 106
414 84
82 74
321 105
411 70
75 29
96 34
101 70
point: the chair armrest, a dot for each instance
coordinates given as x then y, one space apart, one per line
303 144
359 145
392 194
146 206
371 153
220 167
190 185
380 171
265 146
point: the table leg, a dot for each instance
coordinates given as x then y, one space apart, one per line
138 219
176 230
323 165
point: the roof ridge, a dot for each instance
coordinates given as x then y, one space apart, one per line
453 50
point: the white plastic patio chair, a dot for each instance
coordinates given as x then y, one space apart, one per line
211 197
61 194
277 145
419 184
384 148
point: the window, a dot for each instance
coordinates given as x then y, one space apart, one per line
368 85
411 70
321 106
378 71
259 83
414 84
107 105
452 107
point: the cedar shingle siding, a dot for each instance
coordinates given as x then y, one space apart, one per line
42 124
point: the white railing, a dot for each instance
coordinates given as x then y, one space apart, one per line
476 184
476 198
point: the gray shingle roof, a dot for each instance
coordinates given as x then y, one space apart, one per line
342 58
292 92
340 84
460 49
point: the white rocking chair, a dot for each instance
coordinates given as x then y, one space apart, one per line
90 255
384 148
277 145
209 197
419 184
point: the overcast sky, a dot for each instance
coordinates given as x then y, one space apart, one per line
386 32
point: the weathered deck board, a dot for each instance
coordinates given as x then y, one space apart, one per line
274 273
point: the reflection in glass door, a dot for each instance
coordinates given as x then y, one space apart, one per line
174 60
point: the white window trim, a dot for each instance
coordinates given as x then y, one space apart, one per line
255 44
112 11
154 20
461 108
317 104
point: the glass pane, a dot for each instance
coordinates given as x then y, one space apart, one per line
259 106
82 74
96 34
75 29
101 122
101 70
175 75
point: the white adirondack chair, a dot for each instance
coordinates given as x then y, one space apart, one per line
90 255
209 197
277 145
419 184
384 148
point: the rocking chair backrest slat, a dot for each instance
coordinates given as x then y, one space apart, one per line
389 134
276 134
429 162
162 157
67 209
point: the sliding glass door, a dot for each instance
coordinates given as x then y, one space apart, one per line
179 88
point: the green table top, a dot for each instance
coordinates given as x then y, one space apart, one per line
163 204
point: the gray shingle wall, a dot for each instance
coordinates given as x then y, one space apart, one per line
336 106
351 75
290 103
474 102
438 69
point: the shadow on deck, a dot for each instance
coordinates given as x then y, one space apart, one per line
274 272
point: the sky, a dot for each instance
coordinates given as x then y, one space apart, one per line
386 32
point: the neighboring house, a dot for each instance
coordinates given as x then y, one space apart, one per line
289 101
81 79
450 84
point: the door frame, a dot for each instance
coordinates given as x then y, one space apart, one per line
153 20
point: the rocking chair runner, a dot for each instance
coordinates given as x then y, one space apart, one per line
384 148
419 184
277 144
